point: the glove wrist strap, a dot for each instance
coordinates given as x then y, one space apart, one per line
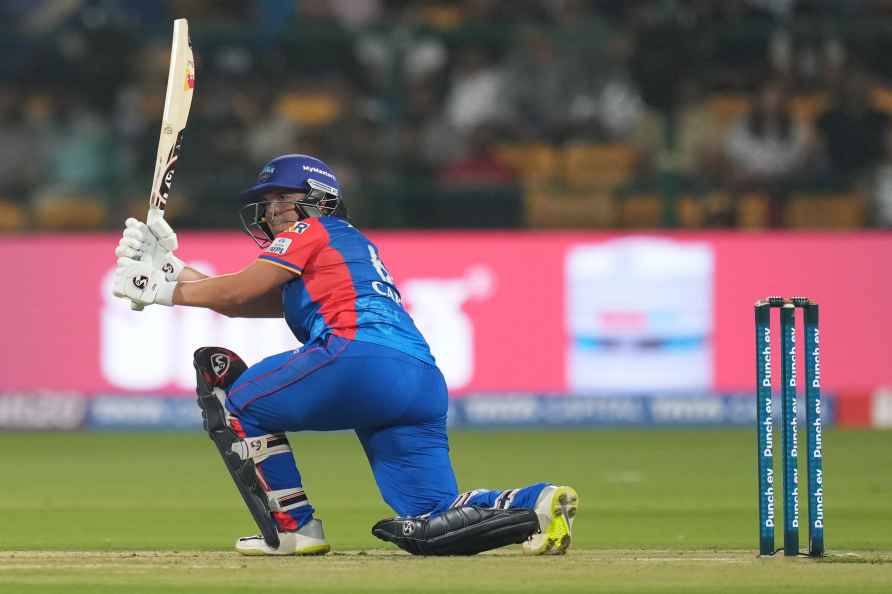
164 296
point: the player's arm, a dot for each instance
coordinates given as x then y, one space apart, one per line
268 305
190 274
241 293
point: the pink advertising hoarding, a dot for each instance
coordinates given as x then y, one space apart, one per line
526 312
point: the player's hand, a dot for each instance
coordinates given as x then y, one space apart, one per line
141 283
151 244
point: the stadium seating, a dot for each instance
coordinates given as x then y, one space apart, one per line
13 217
642 211
753 210
533 162
808 107
825 211
309 110
69 212
728 107
597 165
690 212
547 207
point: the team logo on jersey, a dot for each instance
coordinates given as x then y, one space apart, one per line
300 227
219 363
280 245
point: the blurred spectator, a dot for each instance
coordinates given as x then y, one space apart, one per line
539 87
412 55
479 168
620 105
687 141
83 156
19 147
353 14
767 145
766 152
851 130
475 96
434 140
881 186
267 131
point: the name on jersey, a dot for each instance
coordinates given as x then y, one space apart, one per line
279 246
386 290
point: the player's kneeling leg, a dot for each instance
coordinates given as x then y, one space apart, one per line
459 531
217 369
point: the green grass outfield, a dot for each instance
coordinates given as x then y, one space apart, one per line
660 511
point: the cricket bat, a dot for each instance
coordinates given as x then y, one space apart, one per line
177 101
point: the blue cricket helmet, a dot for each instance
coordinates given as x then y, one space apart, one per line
311 180
300 173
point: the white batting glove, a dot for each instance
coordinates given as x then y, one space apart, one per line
152 245
141 283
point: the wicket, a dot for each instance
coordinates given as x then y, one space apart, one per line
789 425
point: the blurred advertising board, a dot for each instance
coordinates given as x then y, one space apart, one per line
599 314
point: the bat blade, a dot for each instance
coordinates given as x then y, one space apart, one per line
177 101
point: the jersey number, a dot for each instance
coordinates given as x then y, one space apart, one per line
379 266
386 288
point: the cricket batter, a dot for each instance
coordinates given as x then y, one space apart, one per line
363 366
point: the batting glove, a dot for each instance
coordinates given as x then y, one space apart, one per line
152 244
141 283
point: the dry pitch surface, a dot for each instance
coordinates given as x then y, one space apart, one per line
389 571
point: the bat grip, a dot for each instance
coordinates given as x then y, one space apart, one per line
137 306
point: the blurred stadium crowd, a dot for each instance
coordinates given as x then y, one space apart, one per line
469 113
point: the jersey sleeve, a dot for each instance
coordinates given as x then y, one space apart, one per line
294 248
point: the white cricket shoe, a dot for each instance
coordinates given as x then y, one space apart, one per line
556 508
309 540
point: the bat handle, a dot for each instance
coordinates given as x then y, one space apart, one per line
137 306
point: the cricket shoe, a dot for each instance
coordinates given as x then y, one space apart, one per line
309 540
556 508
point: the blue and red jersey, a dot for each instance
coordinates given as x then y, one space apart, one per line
342 288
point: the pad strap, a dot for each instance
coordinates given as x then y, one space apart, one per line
261 447
463 499
505 499
284 500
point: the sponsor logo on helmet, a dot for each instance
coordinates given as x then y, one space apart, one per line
266 173
311 169
318 185
219 363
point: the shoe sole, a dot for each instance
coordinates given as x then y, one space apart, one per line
315 550
564 504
